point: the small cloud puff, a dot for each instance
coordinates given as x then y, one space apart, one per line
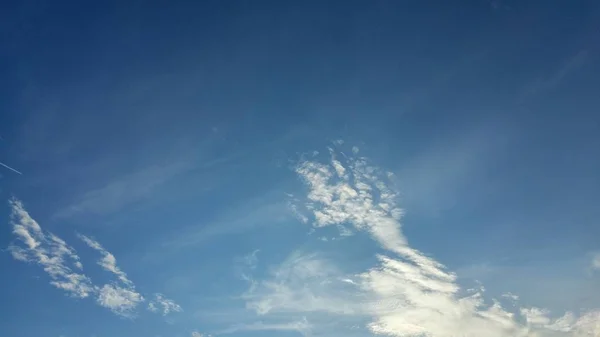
121 301
108 261
163 305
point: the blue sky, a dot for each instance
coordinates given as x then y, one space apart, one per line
315 168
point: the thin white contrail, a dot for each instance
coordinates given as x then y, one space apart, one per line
10 168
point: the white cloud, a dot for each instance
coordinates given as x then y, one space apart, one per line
198 334
511 296
303 283
56 256
121 297
339 168
407 293
121 301
293 204
49 251
108 261
163 305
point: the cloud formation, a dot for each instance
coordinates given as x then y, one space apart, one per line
406 293
120 297
303 283
54 255
59 260
163 305
108 261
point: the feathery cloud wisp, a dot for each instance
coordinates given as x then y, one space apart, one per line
123 191
121 298
108 261
49 251
303 283
58 260
302 326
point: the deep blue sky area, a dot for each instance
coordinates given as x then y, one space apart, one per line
208 168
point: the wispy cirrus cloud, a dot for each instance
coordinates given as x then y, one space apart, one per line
108 261
406 293
55 256
301 326
245 265
304 283
120 297
124 190
118 191
59 261
121 300
258 212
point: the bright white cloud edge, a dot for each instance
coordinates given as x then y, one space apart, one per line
407 294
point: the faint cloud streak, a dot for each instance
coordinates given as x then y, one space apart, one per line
573 64
123 191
